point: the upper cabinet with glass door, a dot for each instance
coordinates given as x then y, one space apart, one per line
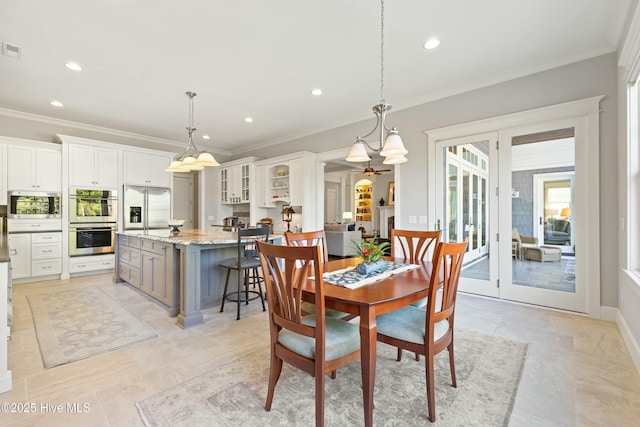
235 183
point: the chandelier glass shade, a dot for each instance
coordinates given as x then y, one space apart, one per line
389 143
191 158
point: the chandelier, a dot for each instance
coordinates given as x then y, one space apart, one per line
191 158
393 150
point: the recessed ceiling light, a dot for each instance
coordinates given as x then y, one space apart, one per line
57 104
432 44
248 119
206 137
73 66
316 92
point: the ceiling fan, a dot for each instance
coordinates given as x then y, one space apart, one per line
370 171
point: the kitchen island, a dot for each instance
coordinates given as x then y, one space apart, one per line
180 270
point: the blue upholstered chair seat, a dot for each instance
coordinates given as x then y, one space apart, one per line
310 308
408 324
341 338
420 303
244 263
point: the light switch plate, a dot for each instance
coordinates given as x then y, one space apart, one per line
412 219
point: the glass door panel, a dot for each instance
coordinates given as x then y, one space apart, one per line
462 186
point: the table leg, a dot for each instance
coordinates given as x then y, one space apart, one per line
368 334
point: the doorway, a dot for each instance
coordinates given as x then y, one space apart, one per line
184 197
491 267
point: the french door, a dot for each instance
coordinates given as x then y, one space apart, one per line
465 170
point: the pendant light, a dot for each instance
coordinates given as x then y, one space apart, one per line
191 158
393 149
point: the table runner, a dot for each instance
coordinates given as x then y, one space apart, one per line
349 278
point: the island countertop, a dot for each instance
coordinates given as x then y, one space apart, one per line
191 236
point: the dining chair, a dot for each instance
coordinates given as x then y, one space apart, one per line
313 238
415 247
247 268
429 331
314 343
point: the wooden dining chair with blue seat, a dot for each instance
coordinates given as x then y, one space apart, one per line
247 268
314 343
429 331
415 246
315 238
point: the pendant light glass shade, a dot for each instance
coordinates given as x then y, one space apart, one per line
358 153
393 146
394 160
191 159
206 159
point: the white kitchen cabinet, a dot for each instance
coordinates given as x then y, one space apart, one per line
93 167
35 254
294 179
261 183
146 168
235 182
34 168
20 254
3 174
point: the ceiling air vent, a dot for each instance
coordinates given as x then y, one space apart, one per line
11 50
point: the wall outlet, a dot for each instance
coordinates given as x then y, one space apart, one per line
422 219
412 219
211 218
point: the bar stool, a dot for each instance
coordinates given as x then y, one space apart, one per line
243 265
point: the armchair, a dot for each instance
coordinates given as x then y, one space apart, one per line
522 242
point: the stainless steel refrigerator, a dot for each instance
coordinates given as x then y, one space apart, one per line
146 208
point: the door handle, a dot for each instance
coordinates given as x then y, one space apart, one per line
540 220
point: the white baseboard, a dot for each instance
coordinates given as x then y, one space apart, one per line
609 313
629 340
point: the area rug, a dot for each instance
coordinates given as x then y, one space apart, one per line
74 325
488 371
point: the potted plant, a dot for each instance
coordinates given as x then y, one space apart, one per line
370 254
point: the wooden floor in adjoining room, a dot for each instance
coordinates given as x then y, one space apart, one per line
578 371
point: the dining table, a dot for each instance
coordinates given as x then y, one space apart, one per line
371 300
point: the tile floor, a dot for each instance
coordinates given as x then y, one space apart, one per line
577 373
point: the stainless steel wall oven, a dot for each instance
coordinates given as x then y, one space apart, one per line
92 239
87 205
93 215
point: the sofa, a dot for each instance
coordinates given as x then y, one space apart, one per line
340 239
558 232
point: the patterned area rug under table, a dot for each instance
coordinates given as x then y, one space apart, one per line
75 325
488 371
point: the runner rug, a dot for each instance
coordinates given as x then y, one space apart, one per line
74 325
488 370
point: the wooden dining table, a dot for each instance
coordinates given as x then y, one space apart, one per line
369 301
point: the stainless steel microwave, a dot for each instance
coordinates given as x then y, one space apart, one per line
29 204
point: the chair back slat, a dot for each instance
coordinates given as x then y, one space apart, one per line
310 238
415 245
286 269
447 265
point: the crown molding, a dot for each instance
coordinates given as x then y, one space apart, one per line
92 128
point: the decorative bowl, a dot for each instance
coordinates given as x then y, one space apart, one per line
176 222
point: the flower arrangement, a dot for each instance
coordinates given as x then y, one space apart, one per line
369 251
